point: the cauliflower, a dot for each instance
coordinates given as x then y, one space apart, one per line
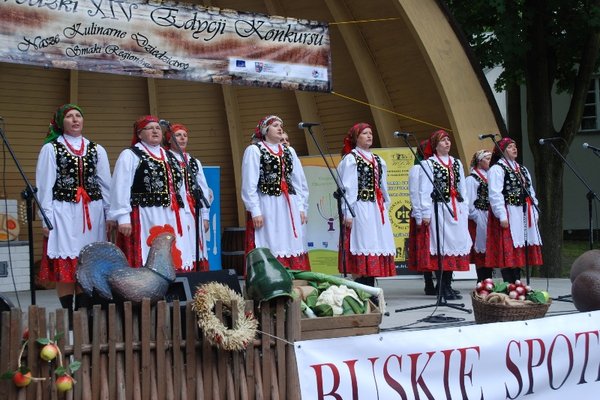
334 296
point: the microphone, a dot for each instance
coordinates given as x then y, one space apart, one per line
552 139
489 135
589 146
165 123
303 125
399 134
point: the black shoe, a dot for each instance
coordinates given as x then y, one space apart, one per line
449 294
430 290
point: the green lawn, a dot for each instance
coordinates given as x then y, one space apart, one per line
571 250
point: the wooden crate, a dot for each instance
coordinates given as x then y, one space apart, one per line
340 326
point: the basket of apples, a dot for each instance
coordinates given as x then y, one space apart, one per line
501 301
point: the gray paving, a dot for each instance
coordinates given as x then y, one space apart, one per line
399 294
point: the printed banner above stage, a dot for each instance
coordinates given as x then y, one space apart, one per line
168 40
323 221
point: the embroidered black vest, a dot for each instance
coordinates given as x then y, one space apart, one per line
150 186
191 182
366 181
512 191
482 202
441 178
67 173
269 181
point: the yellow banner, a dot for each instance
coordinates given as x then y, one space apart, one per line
323 220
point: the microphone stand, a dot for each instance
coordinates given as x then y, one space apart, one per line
28 195
527 195
339 195
590 197
199 200
440 300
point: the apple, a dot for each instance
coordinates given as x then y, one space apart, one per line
511 287
64 383
513 294
521 297
489 287
518 282
483 293
21 379
49 352
546 295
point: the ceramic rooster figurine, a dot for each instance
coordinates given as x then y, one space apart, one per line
103 267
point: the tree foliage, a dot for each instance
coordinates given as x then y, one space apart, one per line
545 46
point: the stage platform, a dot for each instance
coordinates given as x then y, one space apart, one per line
399 293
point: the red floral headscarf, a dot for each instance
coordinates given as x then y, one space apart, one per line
478 156
55 129
502 145
435 138
261 129
140 124
423 152
350 139
169 133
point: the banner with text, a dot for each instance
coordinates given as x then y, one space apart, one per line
550 358
323 222
167 40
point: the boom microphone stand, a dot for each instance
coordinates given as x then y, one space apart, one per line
28 194
339 195
440 300
590 197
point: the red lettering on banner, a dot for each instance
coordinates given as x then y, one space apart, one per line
586 337
530 364
392 383
550 353
463 374
335 377
418 379
559 357
514 369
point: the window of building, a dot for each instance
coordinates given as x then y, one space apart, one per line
591 110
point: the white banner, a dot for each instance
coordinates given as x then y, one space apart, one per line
167 40
549 358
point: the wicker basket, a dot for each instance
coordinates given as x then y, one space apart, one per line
490 312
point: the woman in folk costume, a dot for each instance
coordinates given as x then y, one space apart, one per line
368 242
273 200
418 234
73 180
512 229
146 194
479 205
196 189
454 239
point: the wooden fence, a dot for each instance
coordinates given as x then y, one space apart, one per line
154 352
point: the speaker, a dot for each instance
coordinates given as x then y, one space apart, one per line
5 304
185 284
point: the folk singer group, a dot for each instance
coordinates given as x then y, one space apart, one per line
155 184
